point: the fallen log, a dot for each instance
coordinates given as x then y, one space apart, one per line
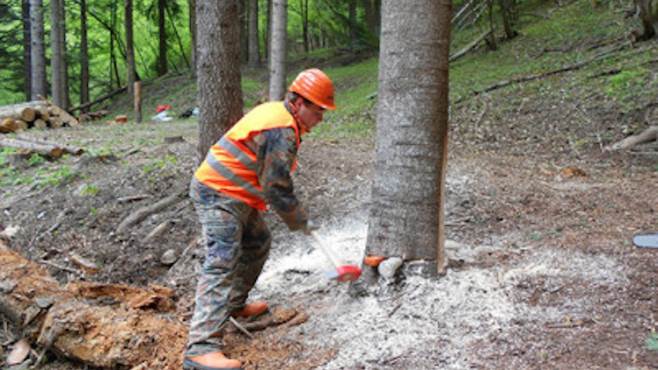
470 46
23 111
44 148
50 151
61 319
144 212
650 134
8 125
69 149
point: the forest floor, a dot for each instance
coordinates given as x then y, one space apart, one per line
542 270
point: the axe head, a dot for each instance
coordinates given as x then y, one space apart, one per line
345 273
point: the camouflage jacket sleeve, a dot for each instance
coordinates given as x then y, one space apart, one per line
277 151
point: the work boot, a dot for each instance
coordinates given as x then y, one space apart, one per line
211 361
251 309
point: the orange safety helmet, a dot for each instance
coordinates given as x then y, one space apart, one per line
316 86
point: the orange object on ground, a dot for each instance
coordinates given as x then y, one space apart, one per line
373 261
252 309
211 361
316 86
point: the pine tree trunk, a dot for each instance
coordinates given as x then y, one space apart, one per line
268 33
353 25
303 4
278 56
218 63
130 50
244 33
192 11
506 14
370 16
58 62
84 55
162 39
648 14
254 49
412 119
27 62
38 53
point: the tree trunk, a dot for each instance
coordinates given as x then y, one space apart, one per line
278 53
370 16
219 91
353 24
303 4
268 33
130 50
506 11
84 55
27 63
58 62
406 215
38 53
254 49
162 38
648 14
491 41
193 48
172 23
244 33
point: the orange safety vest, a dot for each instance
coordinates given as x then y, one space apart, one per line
231 167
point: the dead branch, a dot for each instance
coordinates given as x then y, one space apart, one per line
100 99
470 46
571 67
650 134
144 212
69 149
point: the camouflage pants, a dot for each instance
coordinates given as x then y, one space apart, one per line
238 242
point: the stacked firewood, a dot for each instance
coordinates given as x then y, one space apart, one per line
39 114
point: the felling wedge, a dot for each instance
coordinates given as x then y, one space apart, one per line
342 272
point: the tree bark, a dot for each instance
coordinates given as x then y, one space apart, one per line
303 5
352 24
648 14
84 55
254 47
506 11
268 34
218 63
193 47
27 63
162 38
278 56
38 53
57 317
58 46
406 214
244 33
130 50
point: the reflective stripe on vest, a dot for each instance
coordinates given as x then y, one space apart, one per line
237 153
229 175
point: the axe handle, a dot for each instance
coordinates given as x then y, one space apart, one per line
326 251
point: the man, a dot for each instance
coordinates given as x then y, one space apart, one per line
247 169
